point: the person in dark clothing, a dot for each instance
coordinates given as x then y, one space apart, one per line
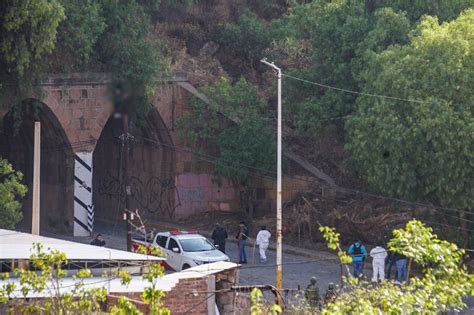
219 236
331 294
390 262
312 293
241 237
98 241
401 263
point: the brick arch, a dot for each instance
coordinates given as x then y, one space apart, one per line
82 105
152 170
57 168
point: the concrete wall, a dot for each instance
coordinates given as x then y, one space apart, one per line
200 192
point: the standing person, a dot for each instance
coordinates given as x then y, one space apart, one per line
219 235
311 293
241 237
378 254
263 240
401 263
98 241
358 253
331 294
389 263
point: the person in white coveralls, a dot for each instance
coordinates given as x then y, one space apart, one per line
378 254
263 240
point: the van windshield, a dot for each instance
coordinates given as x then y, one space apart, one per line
196 245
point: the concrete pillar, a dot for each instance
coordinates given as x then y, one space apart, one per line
211 296
83 207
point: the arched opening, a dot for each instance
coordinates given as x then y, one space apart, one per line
151 169
57 165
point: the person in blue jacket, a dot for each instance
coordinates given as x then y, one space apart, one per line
358 254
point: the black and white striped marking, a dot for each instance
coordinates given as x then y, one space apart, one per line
83 207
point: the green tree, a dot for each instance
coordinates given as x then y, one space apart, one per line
245 40
10 189
80 299
128 50
125 47
421 150
45 274
78 35
345 35
233 121
28 32
442 287
415 9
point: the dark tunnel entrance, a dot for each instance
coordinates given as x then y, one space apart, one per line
152 176
57 166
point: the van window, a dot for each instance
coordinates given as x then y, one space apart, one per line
161 240
173 244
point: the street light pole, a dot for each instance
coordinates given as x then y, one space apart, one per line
279 190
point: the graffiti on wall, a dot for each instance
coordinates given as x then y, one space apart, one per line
155 195
192 194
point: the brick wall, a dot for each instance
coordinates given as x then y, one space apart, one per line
225 300
188 296
191 295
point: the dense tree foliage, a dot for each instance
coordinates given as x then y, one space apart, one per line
233 121
415 9
344 36
421 149
28 31
243 137
113 36
247 38
78 35
10 189
443 285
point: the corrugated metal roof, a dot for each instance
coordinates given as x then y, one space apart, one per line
17 245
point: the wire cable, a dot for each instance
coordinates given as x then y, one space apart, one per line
261 172
359 93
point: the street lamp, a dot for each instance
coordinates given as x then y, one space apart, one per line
278 214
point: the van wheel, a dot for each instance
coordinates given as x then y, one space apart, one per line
185 266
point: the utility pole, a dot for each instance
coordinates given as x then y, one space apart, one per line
279 192
35 211
125 137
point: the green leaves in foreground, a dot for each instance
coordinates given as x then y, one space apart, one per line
10 189
443 284
45 274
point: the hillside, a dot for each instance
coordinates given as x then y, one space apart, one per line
377 94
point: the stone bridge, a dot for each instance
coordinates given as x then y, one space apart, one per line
82 171
82 163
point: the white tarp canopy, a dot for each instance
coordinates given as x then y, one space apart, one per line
17 245
137 284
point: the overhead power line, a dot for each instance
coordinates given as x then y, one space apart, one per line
261 173
393 98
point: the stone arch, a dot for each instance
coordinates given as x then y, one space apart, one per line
57 164
152 170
